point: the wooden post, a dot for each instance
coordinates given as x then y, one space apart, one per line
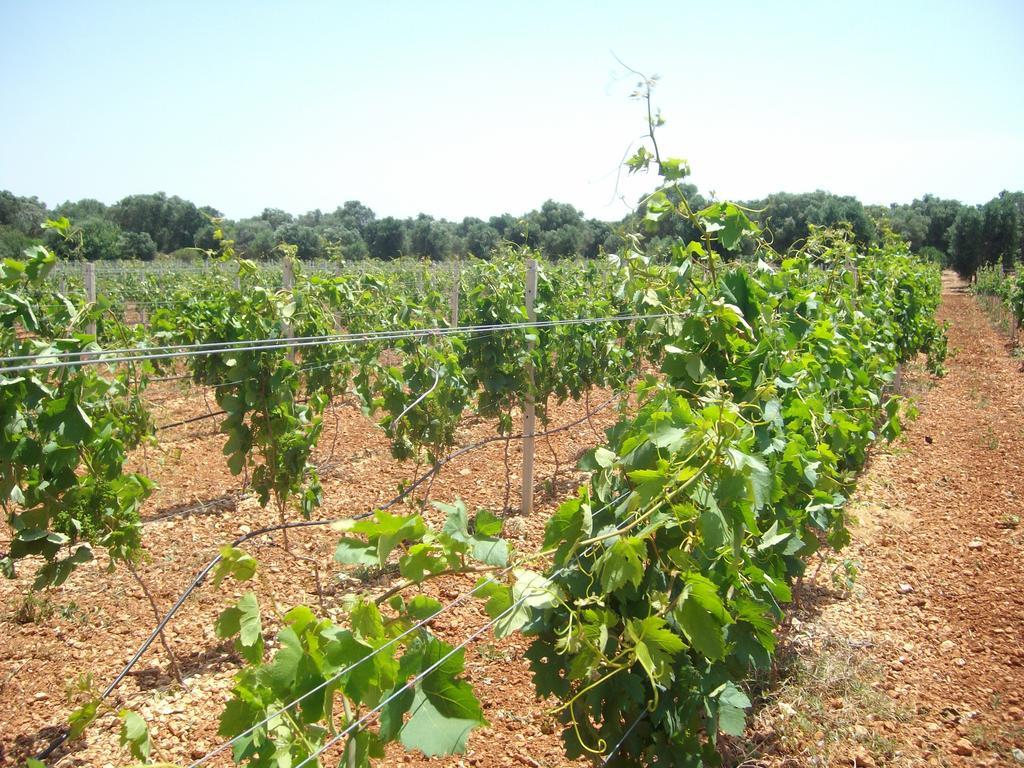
90 293
529 412
288 283
453 299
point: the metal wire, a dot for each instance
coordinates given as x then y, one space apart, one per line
419 625
205 571
462 597
254 344
139 354
421 675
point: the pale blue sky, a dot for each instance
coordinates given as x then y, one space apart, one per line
475 108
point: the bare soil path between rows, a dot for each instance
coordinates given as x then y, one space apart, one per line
922 663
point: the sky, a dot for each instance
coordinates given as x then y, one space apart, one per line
477 108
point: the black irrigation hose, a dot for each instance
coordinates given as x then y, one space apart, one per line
201 576
615 750
192 420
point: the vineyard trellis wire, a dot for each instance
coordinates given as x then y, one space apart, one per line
456 601
99 356
204 572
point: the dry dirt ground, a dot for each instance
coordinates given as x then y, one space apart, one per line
920 663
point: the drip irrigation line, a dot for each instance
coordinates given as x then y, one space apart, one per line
615 750
192 420
140 354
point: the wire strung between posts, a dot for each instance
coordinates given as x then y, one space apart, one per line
421 675
358 723
300 369
131 354
140 354
338 675
205 571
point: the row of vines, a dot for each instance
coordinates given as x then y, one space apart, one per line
759 386
1002 294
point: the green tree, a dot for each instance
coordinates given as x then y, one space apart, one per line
13 242
275 217
306 239
353 215
86 208
940 214
346 242
92 239
171 221
254 238
1001 231
136 245
386 238
431 238
965 242
25 214
788 216
479 237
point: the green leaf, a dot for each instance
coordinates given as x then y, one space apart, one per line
420 560
422 607
665 435
530 592
355 552
571 522
236 563
604 458
82 718
732 706
655 646
483 546
772 537
76 427
673 168
367 622
701 628
443 710
490 551
486 523
243 620
135 735
623 563
705 592
431 731
282 671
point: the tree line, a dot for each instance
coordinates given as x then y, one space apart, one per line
146 225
